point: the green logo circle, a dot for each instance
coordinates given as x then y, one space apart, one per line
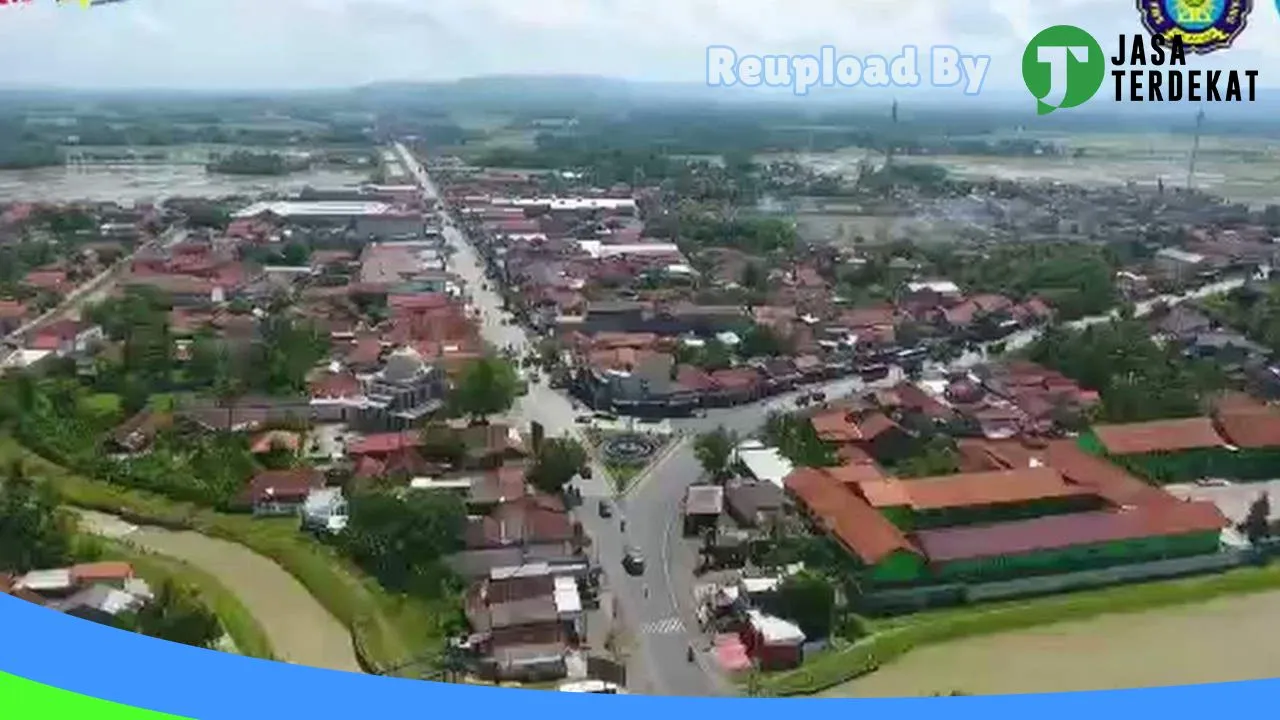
1063 66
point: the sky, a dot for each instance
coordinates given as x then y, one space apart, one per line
288 44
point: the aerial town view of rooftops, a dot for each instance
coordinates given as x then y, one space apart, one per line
586 385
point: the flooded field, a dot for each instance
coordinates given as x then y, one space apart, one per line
1240 168
1218 641
153 182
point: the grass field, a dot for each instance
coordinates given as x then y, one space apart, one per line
1244 169
890 639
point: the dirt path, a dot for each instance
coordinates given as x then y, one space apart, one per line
1216 641
300 629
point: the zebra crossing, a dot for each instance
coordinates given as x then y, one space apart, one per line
666 626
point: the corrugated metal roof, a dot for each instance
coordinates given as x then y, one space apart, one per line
1061 531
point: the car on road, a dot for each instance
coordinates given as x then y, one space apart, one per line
606 510
583 419
606 416
633 562
585 472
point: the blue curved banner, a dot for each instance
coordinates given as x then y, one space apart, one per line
62 652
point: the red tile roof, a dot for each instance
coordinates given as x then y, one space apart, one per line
858 318
853 455
984 455
1106 479
836 426
89 573
335 385
860 527
1158 436
1060 531
1250 428
384 443
12 310
736 378
291 484
46 279
999 487
369 467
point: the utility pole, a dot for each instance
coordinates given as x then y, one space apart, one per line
1195 148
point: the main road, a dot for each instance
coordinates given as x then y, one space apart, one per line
660 641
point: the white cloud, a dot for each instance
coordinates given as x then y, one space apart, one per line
301 43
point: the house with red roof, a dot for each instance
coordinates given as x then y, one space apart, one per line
12 315
52 280
873 433
68 338
281 492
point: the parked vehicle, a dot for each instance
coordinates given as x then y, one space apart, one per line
871 373
606 511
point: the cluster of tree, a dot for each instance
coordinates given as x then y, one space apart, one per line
243 162
22 148
18 259
1076 279
1138 379
556 462
695 231
715 452
36 534
710 355
53 417
921 176
402 538
486 387
276 362
291 254
176 614
201 213
798 442
935 456
1253 311
808 600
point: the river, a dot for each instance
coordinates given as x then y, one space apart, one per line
132 183
1222 640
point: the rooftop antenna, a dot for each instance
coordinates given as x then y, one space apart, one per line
1195 148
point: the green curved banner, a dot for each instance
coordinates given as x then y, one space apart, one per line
33 700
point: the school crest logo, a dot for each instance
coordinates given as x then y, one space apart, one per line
1203 25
